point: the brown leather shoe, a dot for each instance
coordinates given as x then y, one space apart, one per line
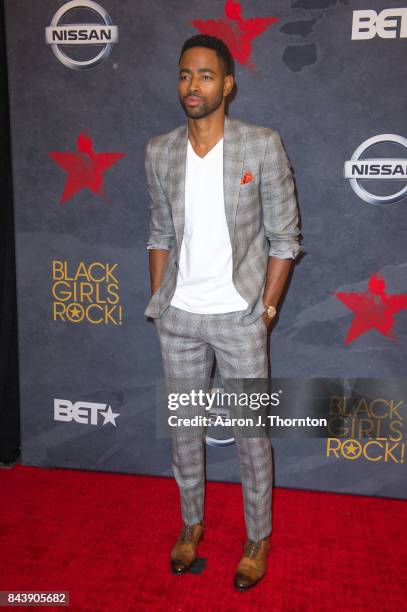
252 566
183 553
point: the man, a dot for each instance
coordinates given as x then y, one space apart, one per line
223 234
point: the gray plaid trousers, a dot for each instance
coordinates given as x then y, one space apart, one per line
189 342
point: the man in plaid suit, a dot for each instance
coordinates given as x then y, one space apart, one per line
223 233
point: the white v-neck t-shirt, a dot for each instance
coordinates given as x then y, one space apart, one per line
204 280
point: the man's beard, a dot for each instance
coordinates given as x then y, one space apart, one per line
203 110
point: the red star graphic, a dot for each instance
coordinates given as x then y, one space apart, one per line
374 309
235 31
84 167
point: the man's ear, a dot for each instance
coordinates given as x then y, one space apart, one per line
228 84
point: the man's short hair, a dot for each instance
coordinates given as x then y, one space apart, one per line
210 42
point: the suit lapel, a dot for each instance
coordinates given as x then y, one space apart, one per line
233 156
176 181
234 141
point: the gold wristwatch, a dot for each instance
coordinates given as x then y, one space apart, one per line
270 310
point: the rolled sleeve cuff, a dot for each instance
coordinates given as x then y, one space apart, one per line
285 251
161 244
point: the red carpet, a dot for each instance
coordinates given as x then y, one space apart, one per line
105 538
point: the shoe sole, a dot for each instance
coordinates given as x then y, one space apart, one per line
179 572
247 588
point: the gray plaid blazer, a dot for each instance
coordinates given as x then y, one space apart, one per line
262 215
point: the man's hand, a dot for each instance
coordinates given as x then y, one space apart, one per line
157 263
267 320
277 274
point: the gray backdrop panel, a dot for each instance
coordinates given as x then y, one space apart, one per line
325 94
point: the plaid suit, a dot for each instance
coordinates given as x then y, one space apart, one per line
262 220
262 215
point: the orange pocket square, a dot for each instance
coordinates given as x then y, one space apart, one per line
246 178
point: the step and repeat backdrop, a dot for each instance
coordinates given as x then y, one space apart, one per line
90 83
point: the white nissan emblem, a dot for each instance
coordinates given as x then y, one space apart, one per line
103 34
393 168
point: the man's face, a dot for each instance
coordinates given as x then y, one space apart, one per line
202 83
